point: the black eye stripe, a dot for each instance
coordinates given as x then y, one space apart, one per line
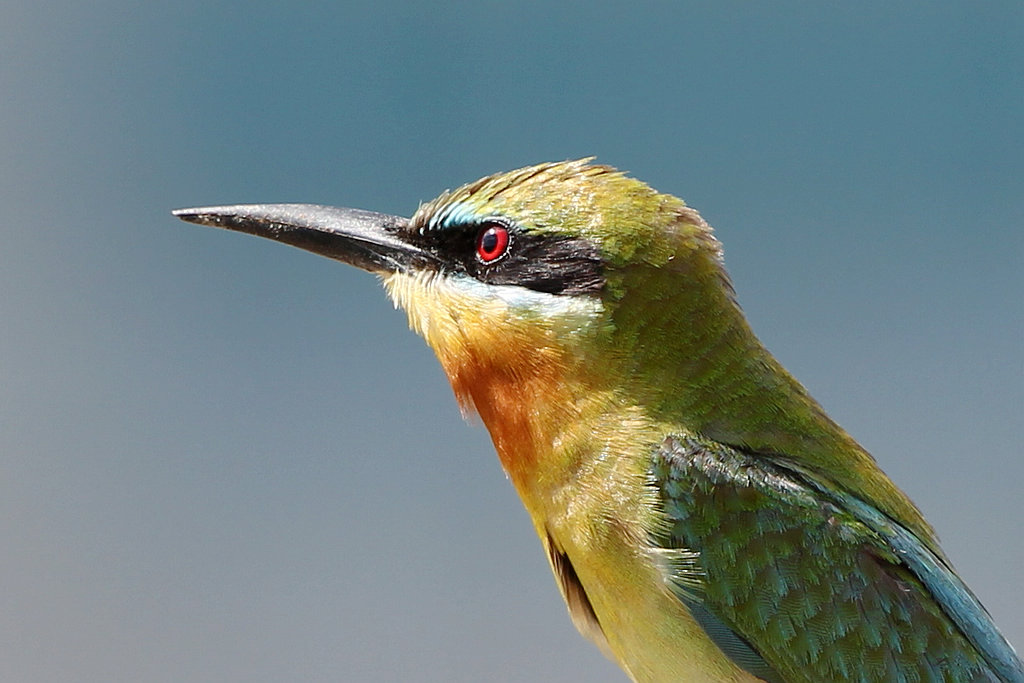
544 262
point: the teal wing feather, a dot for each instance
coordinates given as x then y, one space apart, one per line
801 583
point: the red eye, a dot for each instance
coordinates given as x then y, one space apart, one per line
492 243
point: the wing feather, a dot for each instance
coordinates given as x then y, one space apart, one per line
817 584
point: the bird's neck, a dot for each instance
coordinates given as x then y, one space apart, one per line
656 357
692 360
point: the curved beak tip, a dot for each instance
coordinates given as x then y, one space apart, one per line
211 215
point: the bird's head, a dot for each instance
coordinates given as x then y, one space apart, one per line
570 264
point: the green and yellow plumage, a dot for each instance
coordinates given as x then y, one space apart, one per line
705 518
686 351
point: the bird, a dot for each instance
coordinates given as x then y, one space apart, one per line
704 518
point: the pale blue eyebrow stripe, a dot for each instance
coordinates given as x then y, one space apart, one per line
454 214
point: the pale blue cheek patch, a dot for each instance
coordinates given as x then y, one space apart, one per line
566 315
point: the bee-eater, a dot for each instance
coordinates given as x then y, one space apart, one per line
704 518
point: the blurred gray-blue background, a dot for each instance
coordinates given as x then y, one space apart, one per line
224 459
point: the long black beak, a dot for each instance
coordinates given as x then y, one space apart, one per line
372 241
